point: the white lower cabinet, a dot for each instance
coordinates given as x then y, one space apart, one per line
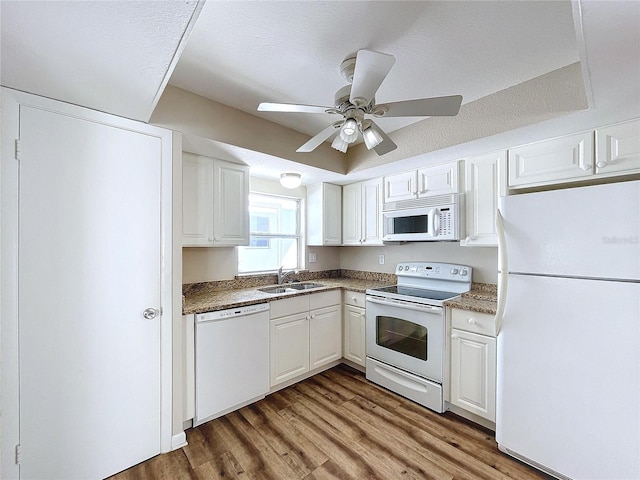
289 347
354 327
473 363
305 334
325 336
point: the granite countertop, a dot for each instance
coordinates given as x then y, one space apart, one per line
209 301
481 298
243 291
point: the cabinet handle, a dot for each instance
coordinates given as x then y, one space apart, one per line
471 321
313 316
354 298
217 239
210 239
454 336
601 164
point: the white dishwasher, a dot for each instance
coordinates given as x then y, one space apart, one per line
232 359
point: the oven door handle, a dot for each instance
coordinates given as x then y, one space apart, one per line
400 304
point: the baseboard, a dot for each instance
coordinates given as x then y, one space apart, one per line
178 441
472 416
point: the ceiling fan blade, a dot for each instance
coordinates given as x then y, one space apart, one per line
318 139
424 107
290 107
371 69
386 145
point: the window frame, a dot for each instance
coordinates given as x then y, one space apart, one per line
298 235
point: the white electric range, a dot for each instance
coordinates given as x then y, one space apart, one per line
405 329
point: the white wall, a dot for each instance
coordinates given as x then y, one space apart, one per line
484 260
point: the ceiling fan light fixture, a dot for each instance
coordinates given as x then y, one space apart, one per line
349 131
371 138
290 180
339 144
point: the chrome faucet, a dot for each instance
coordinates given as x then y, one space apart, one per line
282 276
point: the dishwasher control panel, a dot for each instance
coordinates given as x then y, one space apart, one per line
232 312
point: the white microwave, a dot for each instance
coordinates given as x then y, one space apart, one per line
438 218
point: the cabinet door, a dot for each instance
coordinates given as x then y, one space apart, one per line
197 201
551 161
325 336
332 214
352 214
324 214
400 186
289 347
618 149
438 180
484 178
354 339
231 204
473 373
372 212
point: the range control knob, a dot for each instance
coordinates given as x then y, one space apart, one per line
454 271
463 272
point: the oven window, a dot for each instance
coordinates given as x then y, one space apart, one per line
412 224
402 336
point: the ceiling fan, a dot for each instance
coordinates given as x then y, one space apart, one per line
365 72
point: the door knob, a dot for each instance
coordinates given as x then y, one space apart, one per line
150 313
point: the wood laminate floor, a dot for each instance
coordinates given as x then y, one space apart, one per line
335 425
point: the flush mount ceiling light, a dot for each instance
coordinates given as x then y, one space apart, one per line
365 71
290 180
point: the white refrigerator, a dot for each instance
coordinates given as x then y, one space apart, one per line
568 390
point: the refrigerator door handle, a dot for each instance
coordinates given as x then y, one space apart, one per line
503 271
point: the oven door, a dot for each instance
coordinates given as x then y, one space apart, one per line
407 335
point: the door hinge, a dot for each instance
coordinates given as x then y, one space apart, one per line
18 453
17 155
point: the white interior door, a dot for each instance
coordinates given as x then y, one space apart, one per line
89 265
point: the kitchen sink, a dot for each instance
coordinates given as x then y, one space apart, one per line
304 286
290 288
273 290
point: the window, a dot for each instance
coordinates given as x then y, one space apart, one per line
275 235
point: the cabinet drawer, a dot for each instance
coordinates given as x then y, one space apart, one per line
289 306
324 299
354 298
475 322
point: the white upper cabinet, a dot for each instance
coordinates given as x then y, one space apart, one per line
438 180
362 213
197 201
400 186
324 214
425 182
215 202
618 149
485 182
230 204
551 161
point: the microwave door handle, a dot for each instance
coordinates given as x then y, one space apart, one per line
435 222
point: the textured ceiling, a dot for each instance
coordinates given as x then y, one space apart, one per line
244 53
113 56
